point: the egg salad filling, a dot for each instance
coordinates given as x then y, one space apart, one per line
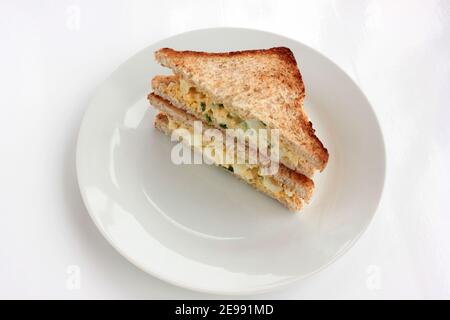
218 114
248 172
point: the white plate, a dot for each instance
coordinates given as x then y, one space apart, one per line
198 227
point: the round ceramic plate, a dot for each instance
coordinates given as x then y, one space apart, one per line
199 227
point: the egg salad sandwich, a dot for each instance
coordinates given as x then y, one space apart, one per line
254 89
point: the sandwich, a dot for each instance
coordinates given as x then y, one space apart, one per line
255 89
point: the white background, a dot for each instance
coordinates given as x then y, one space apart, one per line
53 54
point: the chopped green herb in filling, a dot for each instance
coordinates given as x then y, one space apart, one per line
223 125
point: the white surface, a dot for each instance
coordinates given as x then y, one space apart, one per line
398 52
197 226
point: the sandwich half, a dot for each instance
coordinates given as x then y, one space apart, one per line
245 89
287 186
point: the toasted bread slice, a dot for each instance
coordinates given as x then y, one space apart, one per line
290 188
263 85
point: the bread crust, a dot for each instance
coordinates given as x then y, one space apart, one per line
256 84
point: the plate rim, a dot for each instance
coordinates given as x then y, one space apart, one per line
253 290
